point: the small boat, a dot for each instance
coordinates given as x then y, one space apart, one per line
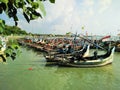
92 61
55 57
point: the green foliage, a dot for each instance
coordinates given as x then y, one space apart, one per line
9 49
52 1
8 30
28 7
41 6
2 25
35 5
13 51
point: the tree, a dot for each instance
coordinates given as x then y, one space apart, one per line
13 30
29 9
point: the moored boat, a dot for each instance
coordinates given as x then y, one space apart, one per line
93 61
55 57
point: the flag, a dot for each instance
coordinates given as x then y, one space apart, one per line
82 27
106 38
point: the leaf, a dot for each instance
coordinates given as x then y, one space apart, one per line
52 1
2 25
32 17
3 5
14 11
41 6
10 6
30 9
16 3
1 29
16 23
10 14
36 13
1 10
35 5
19 3
26 17
28 1
15 18
4 1
3 22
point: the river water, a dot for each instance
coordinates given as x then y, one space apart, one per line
29 72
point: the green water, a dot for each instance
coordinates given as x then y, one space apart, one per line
29 72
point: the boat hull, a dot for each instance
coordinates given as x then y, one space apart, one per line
101 61
87 64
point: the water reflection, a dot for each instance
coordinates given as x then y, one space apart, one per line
86 78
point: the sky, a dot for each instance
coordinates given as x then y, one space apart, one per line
98 17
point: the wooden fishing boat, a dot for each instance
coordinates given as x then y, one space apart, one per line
55 57
93 61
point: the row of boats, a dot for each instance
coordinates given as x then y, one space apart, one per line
69 53
81 58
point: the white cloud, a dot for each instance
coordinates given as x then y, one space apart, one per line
88 2
104 5
61 7
87 9
62 13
